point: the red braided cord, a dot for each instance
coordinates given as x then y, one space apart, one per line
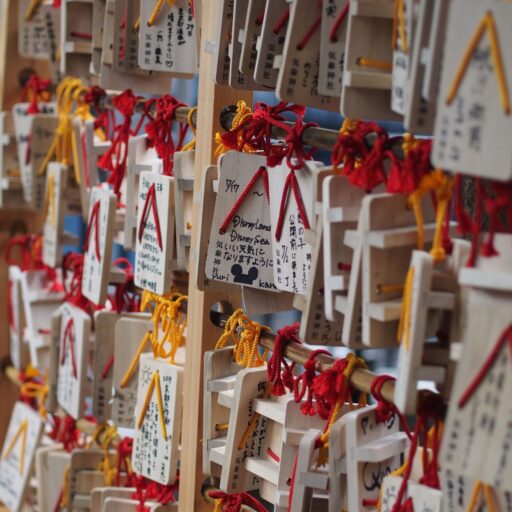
331 387
123 299
273 455
74 262
124 450
160 130
386 409
38 86
397 507
64 431
150 202
105 118
114 159
282 21
256 131
430 476
363 165
94 222
282 379
309 34
505 338
291 182
68 335
107 367
333 34
497 201
234 502
261 172
304 382
494 199
292 482
31 252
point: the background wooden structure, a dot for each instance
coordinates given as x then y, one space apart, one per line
13 220
202 334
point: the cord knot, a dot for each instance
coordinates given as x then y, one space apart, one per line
304 384
279 378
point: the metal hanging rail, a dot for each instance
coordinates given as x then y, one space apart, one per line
313 136
360 379
181 113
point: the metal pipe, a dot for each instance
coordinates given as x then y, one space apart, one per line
360 379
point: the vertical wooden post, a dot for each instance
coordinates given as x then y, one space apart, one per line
202 334
12 220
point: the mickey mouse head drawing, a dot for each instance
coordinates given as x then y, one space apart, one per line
242 278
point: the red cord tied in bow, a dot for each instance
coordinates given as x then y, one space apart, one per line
104 117
362 163
124 453
233 502
331 386
94 96
69 337
254 133
293 146
386 409
405 175
160 130
260 173
304 384
31 249
282 378
124 299
94 223
36 89
147 490
73 263
150 205
29 246
64 431
264 118
114 159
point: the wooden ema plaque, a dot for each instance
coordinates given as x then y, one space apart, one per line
18 453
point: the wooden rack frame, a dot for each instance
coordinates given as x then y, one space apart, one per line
205 320
215 114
